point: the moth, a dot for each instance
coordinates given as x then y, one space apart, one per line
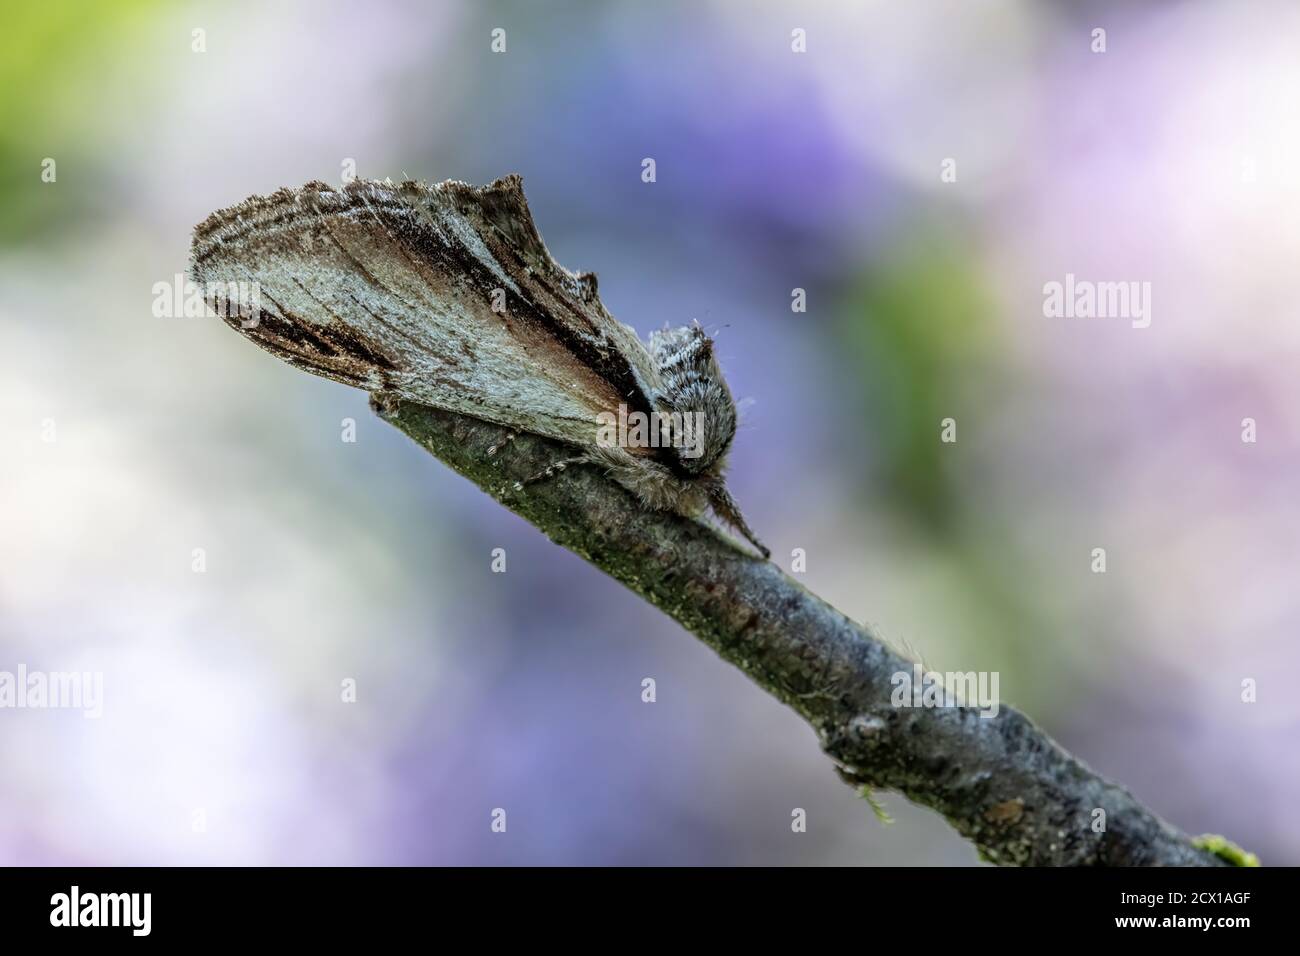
445 294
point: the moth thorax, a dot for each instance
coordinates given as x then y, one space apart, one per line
692 386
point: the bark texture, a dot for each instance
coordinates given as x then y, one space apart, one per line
1001 782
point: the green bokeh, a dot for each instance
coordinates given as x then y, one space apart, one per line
55 58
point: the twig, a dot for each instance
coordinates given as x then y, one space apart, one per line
1000 781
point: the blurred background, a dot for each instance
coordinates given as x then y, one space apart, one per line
921 172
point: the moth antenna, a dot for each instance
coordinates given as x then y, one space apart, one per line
726 508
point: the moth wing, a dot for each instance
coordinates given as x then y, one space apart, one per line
393 287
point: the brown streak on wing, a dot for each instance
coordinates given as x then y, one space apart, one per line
328 350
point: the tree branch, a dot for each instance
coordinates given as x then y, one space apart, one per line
1000 781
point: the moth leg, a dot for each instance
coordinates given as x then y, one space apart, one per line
497 446
550 470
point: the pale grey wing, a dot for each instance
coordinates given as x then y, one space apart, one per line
391 288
